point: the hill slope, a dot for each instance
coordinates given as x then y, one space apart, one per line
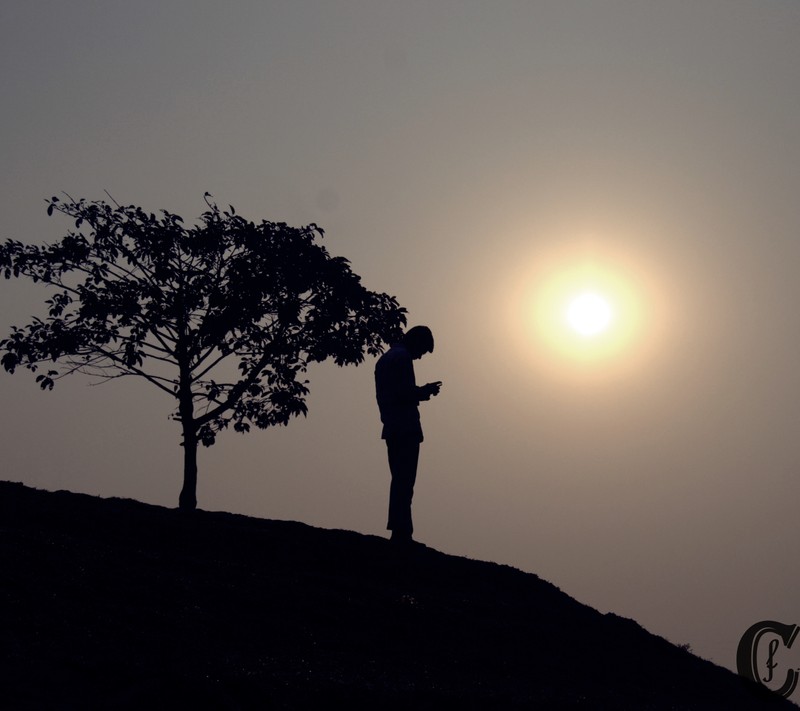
117 604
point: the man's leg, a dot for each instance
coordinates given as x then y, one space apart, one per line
403 458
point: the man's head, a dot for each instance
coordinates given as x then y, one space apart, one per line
419 341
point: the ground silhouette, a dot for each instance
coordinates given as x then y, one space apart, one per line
110 603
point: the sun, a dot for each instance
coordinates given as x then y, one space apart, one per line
589 314
583 315
586 310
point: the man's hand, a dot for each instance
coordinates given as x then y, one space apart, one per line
432 389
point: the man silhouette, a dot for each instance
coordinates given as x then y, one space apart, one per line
398 398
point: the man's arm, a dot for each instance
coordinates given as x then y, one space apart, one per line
395 383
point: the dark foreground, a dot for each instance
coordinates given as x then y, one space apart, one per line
109 603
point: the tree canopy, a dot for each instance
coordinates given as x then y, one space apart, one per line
224 316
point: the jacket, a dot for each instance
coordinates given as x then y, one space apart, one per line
397 394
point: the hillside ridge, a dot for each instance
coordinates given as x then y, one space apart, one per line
112 603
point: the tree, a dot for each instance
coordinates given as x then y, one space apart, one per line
142 295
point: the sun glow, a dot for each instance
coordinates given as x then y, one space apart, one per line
585 311
589 314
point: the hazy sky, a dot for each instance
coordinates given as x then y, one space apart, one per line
471 158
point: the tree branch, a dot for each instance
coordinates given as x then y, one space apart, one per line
236 392
210 367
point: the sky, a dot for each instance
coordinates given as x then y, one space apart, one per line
481 162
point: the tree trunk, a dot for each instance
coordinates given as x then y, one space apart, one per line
188 498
